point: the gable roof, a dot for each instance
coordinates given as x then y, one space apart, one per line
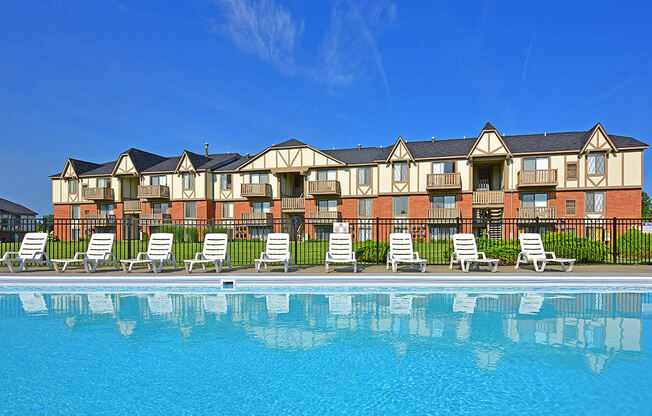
142 159
399 141
357 156
81 166
232 165
9 207
289 143
488 127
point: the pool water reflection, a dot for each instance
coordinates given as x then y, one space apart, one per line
332 353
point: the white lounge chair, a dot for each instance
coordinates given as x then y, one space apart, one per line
159 252
532 250
277 251
100 250
340 250
214 251
465 252
401 251
32 250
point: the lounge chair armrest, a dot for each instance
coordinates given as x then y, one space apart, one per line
142 256
199 256
37 254
328 255
416 256
481 254
353 255
8 253
551 254
79 255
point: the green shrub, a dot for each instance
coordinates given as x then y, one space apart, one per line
634 244
181 234
582 249
367 252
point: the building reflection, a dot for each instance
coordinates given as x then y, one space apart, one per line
594 329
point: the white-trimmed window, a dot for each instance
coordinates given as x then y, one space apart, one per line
365 207
227 209
261 206
75 212
188 181
594 201
535 163
400 172
443 167
534 200
159 180
595 163
190 209
103 182
443 201
327 205
72 186
400 205
259 178
227 181
364 175
159 207
106 209
326 175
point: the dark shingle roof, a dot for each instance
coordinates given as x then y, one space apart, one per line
289 143
440 148
489 126
103 169
8 207
233 165
81 166
167 165
142 159
219 159
355 155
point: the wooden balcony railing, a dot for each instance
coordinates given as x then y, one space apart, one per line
443 213
293 204
153 192
155 216
536 212
488 198
324 216
131 206
539 177
97 194
331 187
443 181
102 220
256 190
257 218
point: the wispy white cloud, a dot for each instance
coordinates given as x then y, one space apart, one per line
262 28
527 60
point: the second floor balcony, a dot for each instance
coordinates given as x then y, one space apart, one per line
536 212
102 220
538 177
443 213
131 206
329 187
488 199
257 218
436 181
97 194
256 190
323 216
155 216
153 192
293 204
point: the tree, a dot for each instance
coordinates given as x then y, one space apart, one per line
646 205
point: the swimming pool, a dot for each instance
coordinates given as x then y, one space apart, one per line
83 351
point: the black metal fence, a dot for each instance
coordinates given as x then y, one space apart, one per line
599 241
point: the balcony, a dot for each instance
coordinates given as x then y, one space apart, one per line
539 177
325 217
435 181
101 220
536 212
444 213
153 192
488 199
97 194
293 204
131 206
256 190
155 216
324 187
257 218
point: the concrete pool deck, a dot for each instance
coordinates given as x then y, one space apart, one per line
582 276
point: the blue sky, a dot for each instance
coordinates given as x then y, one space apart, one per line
90 79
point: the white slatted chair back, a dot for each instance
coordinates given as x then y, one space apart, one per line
340 246
465 247
33 243
278 246
532 246
160 245
100 244
215 246
400 246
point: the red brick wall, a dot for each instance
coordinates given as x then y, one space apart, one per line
418 206
383 207
348 208
176 209
624 203
465 203
558 199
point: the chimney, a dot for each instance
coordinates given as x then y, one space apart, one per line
247 155
359 146
432 139
206 149
545 134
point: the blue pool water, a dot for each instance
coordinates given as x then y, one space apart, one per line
375 352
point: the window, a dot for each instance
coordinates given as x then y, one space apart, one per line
326 175
227 209
103 182
442 233
226 181
327 205
75 212
400 205
259 233
364 176
72 186
443 167
400 172
594 201
188 181
364 233
365 207
159 180
443 201
595 164
190 209
259 178
261 206
535 200
570 207
571 171
106 209
323 232
535 163
159 207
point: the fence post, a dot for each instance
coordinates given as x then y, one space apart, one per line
538 227
377 240
613 240
128 225
295 226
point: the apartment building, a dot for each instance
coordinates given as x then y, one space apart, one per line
15 221
582 174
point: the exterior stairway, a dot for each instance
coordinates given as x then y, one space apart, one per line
495 223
